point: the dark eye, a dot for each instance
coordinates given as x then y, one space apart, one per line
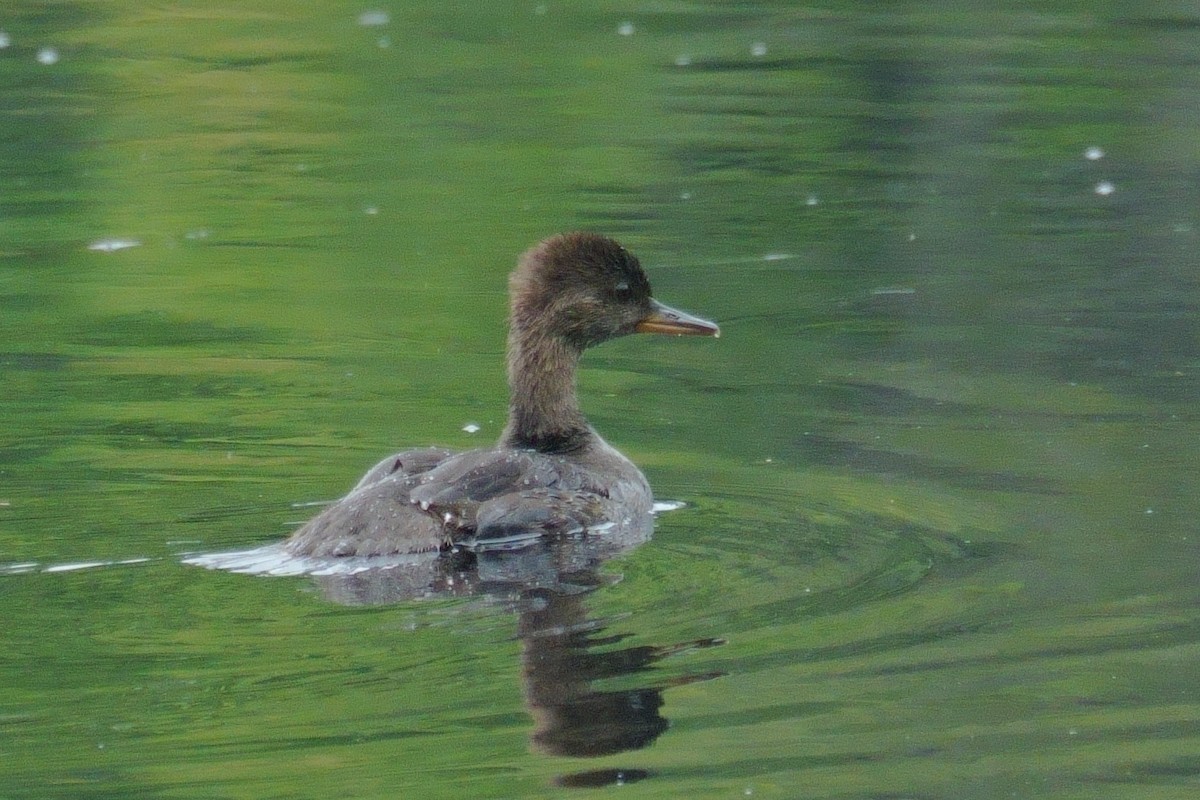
622 288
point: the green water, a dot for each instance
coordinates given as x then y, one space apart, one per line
939 472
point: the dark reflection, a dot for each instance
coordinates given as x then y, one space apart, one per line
565 653
562 659
595 778
833 452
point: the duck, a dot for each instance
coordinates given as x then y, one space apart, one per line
550 474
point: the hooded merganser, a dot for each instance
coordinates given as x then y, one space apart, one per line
550 473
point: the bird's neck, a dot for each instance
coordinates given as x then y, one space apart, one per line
543 410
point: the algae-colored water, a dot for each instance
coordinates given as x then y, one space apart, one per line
938 475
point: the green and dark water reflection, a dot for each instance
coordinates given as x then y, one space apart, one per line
939 471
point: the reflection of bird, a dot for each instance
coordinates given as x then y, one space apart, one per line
551 472
562 660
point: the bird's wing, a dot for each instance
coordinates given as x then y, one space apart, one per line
459 485
406 462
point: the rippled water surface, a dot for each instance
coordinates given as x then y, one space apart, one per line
932 525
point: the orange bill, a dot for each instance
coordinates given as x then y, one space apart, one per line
664 319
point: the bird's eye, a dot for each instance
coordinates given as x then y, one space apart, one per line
622 287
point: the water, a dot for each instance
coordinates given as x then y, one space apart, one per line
938 474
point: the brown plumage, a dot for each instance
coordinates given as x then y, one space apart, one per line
551 472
